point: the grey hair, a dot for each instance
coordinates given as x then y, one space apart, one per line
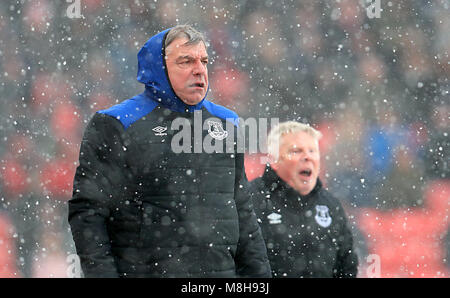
275 135
187 31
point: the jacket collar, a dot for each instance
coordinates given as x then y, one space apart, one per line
283 193
171 102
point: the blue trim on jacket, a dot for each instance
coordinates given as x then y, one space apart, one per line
131 110
221 112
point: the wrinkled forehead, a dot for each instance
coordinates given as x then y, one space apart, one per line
299 139
181 47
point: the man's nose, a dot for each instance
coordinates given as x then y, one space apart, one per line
305 156
199 68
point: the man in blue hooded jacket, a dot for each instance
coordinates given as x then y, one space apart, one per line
143 208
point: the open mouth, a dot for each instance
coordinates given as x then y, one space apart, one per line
199 85
305 173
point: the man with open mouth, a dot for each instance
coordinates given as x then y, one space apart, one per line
304 226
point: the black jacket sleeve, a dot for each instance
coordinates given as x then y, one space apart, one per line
346 265
97 182
251 256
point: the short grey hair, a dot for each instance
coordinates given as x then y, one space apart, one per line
276 133
187 31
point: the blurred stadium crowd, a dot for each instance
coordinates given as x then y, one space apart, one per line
378 89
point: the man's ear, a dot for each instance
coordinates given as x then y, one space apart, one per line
274 166
273 162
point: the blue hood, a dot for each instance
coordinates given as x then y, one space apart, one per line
152 72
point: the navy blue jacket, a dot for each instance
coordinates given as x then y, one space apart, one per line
148 203
306 236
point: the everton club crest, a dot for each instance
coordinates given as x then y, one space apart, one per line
322 217
215 130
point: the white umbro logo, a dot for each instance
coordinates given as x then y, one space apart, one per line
274 218
160 131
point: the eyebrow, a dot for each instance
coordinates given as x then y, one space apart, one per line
188 57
